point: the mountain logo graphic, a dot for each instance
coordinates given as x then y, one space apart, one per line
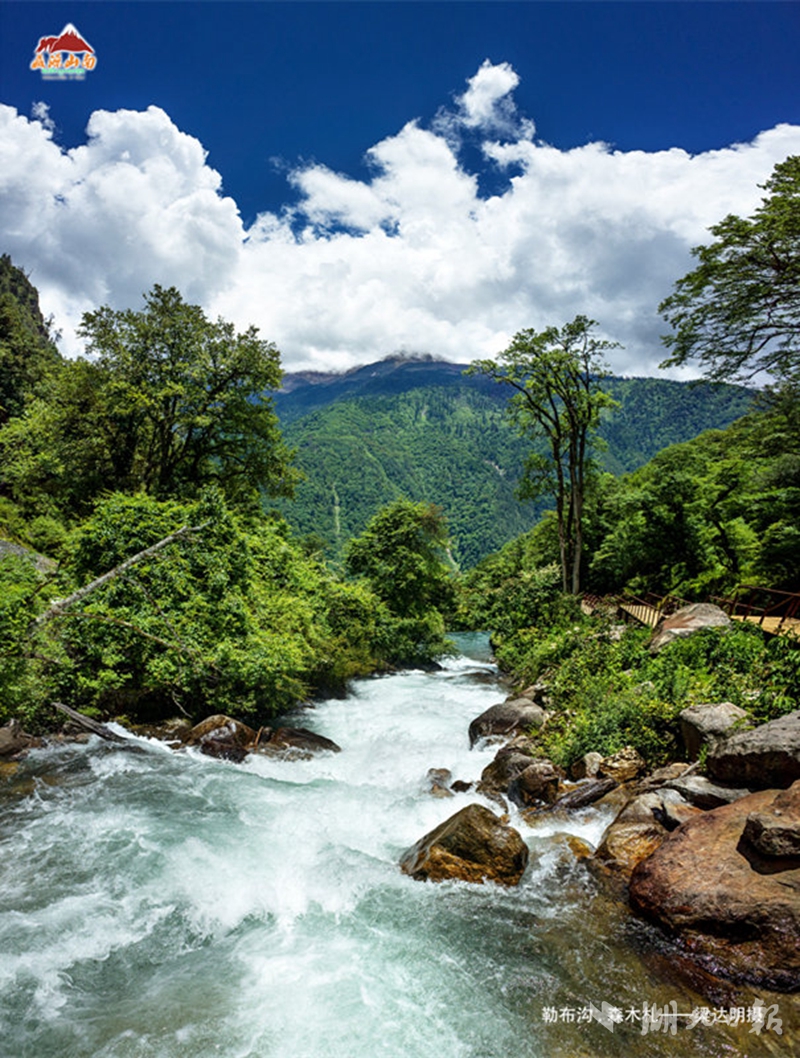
68 55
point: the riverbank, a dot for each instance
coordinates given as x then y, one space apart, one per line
175 905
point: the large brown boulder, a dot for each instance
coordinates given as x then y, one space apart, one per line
767 756
15 742
474 845
736 912
775 830
624 765
506 719
221 728
686 622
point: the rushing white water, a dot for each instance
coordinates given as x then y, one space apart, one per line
163 905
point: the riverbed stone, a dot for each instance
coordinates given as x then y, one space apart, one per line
538 783
474 845
703 793
15 742
686 622
586 767
705 725
622 766
500 772
774 831
736 913
221 728
294 743
505 719
625 844
584 793
767 756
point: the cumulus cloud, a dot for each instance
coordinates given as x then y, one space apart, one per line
414 256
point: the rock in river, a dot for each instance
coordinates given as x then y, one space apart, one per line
735 910
474 845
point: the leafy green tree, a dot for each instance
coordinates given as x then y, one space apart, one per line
738 312
170 403
556 375
404 556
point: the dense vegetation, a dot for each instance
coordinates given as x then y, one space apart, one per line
167 588
422 430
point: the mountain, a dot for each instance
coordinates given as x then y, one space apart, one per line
415 426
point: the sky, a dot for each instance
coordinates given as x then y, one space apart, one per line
365 178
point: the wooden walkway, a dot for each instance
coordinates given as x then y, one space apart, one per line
774 626
641 612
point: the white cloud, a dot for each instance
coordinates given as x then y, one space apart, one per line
413 257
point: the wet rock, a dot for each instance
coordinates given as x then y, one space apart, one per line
705 725
737 918
626 844
586 766
175 730
767 756
686 622
507 719
536 783
622 766
461 786
585 794
221 728
474 845
703 793
223 749
499 773
439 780
294 743
15 742
775 830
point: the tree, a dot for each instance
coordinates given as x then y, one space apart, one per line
404 555
170 403
556 376
738 312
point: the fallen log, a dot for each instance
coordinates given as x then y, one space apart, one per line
98 729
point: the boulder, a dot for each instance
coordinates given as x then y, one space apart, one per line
686 622
585 767
738 919
15 742
474 845
766 756
622 766
294 743
536 783
775 831
500 773
705 725
703 793
220 728
505 719
661 776
625 844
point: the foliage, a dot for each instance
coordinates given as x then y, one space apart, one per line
170 403
738 312
706 515
555 375
435 436
27 352
403 556
233 617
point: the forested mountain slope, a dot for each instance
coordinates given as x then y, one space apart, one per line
417 427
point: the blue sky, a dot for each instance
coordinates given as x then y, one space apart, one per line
357 178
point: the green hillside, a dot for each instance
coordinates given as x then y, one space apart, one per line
420 429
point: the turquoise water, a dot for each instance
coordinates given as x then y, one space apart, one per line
171 905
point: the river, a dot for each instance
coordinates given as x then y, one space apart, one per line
163 905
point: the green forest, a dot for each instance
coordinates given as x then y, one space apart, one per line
165 550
